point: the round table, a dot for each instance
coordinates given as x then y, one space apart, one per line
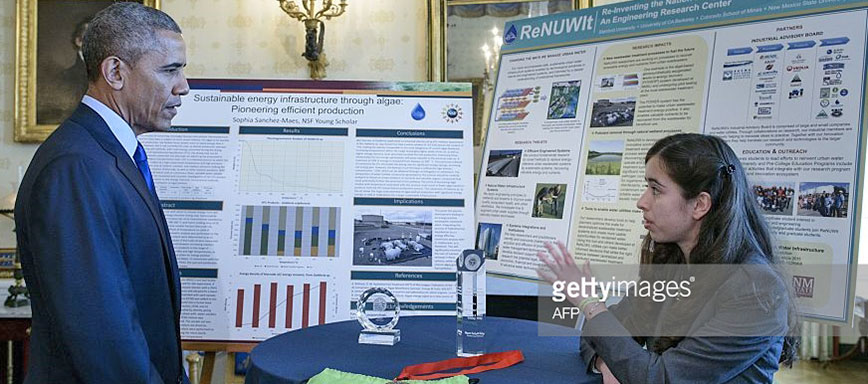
296 356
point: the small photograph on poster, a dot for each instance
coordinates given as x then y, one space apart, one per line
613 112
823 199
775 198
488 239
604 157
383 236
549 200
503 163
631 80
564 99
617 82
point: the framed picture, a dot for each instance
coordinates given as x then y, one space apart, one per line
49 72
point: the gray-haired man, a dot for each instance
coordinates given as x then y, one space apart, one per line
94 244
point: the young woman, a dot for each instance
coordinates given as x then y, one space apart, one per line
700 215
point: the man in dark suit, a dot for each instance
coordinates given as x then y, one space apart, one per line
94 245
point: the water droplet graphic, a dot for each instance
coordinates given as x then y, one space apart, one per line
418 112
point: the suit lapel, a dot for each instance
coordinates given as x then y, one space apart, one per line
173 267
97 127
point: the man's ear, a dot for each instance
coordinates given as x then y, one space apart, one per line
113 71
701 205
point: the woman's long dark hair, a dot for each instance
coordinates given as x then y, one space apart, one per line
733 228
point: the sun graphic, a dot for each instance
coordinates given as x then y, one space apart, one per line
452 113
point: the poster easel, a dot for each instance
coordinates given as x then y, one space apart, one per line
211 349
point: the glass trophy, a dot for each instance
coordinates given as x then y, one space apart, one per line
378 311
470 306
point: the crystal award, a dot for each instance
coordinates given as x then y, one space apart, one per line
377 311
470 305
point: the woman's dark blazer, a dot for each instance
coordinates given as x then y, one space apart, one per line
752 305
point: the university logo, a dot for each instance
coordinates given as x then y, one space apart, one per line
452 113
803 286
510 35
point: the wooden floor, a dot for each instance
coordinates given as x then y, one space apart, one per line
816 373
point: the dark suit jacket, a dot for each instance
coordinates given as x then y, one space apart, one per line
98 261
751 304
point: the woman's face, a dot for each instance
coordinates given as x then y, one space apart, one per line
668 216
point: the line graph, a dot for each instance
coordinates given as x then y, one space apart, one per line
292 166
600 189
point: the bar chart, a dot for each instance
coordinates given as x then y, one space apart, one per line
289 231
283 306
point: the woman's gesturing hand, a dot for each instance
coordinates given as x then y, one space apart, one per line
562 267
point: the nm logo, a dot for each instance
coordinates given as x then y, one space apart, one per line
803 286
